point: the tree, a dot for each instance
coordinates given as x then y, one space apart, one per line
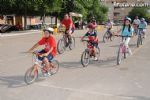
141 12
30 8
88 8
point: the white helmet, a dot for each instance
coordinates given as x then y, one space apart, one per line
50 30
142 19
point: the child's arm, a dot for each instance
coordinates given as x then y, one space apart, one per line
84 36
34 46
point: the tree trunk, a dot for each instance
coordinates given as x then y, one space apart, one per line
25 18
44 18
25 22
55 20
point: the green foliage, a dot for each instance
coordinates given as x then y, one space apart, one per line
141 12
88 8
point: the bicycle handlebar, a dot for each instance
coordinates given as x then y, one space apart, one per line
122 36
142 28
85 40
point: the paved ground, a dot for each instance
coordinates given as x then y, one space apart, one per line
101 80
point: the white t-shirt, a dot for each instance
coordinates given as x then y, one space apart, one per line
136 21
110 25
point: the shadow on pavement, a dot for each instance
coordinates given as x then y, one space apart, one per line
137 97
71 65
109 62
12 81
130 45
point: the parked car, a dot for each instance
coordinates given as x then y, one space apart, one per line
7 28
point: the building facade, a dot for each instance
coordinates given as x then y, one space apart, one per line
120 8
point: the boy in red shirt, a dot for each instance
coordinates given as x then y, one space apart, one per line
67 22
47 54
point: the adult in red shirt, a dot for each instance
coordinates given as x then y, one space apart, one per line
49 52
68 23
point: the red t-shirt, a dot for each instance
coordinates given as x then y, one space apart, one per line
67 23
49 43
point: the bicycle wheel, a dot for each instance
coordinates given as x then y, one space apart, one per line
98 52
112 37
61 46
119 57
105 37
141 40
72 43
85 58
30 75
125 55
55 67
138 41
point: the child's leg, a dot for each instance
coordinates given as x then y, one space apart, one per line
127 45
46 62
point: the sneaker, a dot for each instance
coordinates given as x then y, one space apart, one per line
144 36
130 52
47 74
67 44
95 58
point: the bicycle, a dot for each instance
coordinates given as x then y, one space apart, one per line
85 57
64 42
140 38
122 52
33 72
107 36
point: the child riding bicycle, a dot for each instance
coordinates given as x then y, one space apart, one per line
142 26
93 38
47 54
68 24
109 26
127 33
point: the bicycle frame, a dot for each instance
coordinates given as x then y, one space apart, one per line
122 48
89 47
36 61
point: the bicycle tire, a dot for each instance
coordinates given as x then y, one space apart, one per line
98 52
119 57
61 46
72 44
28 72
56 66
105 37
85 53
138 41
125 55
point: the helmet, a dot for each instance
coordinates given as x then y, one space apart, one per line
142 19
91 26
129 19
50 30
93 20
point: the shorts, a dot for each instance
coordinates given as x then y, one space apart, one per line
49 57
94 44
72 31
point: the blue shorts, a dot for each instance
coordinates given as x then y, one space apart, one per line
71 30
49 57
